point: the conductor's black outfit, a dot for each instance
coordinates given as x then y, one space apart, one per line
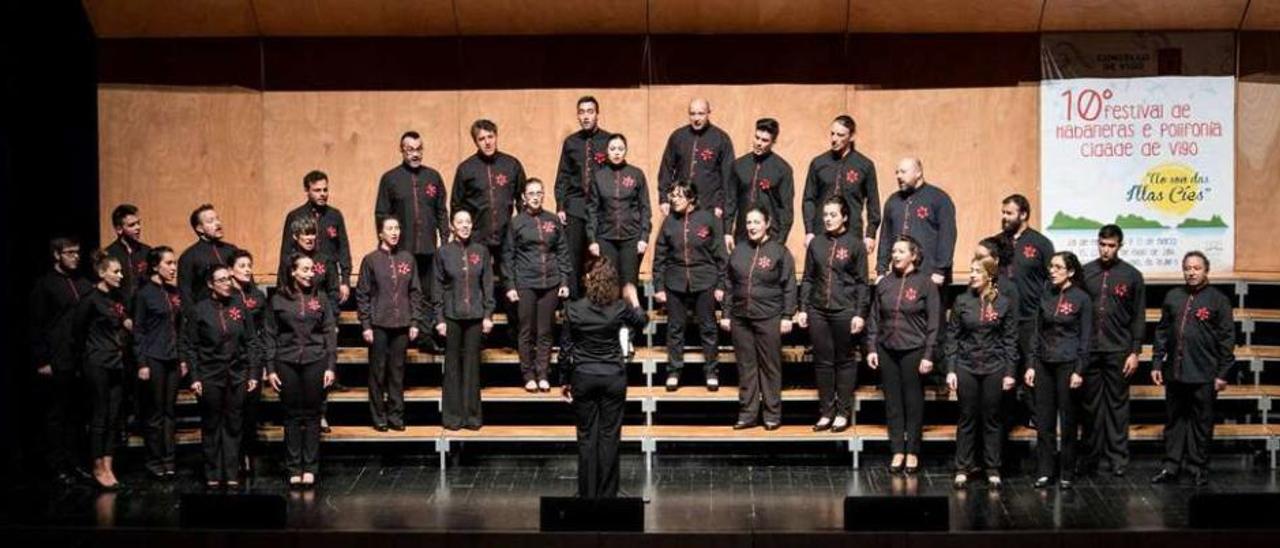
598 379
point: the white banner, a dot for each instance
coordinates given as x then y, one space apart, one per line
1153 155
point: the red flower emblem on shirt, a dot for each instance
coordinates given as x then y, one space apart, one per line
1121 290
765 184
431 190
140 267
764 262
333 232
842 253
1202 314
628 181
548 227
1029 251
313 304
473 258
175 301
319 269
922 212
989 314
402 267
911 294
706 154
234 314
1065 308
600 157
704 232
117 309
852 176
501 179
250 303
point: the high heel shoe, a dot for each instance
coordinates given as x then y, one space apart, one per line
824 423
911 469
895 466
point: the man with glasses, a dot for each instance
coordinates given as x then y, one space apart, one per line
415 195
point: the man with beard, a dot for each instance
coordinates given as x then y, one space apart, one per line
584 151
924 212
415 194
760 176
331 236
700 153
486 184
209 251
1029 271
843 171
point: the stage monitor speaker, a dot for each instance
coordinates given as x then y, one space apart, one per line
579 514
231 511
897 514
1233 510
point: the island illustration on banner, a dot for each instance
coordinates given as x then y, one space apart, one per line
1170 188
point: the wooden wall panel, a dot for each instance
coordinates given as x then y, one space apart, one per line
944 15
1142 14
165 18
168 151
978 144
747 16
1262 15
1257 175
523 17
354 138
355 17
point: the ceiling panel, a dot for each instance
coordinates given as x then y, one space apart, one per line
528 17
944 15
166 18
747 16
355 17
1142 14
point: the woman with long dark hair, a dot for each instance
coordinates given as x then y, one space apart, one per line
219 343
1059 354
301 354
687 266
982 352
906 313
597 375
834 297
102 330
759 302
157 320
462 305
537 272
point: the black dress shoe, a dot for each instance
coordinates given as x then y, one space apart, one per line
397 427
380 427
771 426
452 427
472 426
740 425
822 425
1164 476
1043 482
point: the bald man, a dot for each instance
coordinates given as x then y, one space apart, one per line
924 212
701 154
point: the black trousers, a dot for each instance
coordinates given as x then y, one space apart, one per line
536 312
903 397
1190 428
980 397
758 344
622 255
302 394
162 423
1106 410
598 402
386 375
576 241
703 304
426 274
220 422
1018 405
461 390
835 365
63 419
106 395
250 441
1057 413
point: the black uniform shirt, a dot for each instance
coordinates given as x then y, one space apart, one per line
1064 324
1195 339
765 180
463 288
488 187
389 294
835 274
581 155
852 176
620 208
928 215
689 254
760 281
982 337
702 157
417 198
1119 298
906 313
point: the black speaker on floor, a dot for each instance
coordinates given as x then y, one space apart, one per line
578 514
231 511
1233 510
897 514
